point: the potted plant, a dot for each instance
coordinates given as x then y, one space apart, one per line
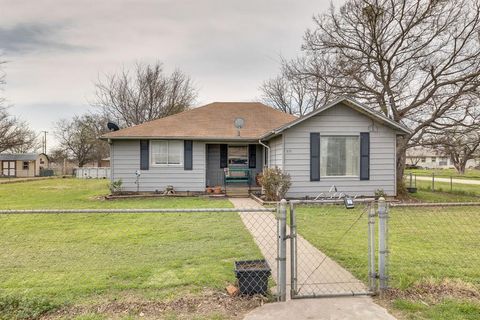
252 276
209 189
217 190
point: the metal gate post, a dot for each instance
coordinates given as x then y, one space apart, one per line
293 251
282 251
382 243
372 274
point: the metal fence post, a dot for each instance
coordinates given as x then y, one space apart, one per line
282 251
382 243
293 250
372 274
433 181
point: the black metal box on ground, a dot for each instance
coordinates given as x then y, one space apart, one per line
252 276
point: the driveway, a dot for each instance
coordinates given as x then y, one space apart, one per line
317 274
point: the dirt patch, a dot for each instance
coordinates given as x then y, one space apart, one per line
209 303
432 292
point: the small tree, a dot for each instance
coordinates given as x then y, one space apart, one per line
275 183
79 138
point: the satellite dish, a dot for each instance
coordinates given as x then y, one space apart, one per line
239 123
112 126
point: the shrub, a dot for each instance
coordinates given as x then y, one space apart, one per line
275 183
380 193
115 186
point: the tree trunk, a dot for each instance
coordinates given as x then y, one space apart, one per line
460 167
401 160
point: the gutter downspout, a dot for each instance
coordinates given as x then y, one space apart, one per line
268 148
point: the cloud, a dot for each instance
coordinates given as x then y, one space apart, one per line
32 37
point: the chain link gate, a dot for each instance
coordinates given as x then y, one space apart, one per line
322 232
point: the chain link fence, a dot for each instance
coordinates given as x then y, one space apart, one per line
68 255
331 248
434 252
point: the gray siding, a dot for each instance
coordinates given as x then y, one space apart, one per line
276 152
339 120
126 160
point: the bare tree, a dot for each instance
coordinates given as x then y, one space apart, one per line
413 60
460 147
15 135
293 92
147 95
458 137
78 139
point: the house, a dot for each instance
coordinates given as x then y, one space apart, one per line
432 159
23 165
343 143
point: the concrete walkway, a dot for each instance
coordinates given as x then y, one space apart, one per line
317 275
354 308
460 181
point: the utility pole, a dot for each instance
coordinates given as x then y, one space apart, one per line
44 142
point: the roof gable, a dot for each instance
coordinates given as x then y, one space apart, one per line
349 103
212 121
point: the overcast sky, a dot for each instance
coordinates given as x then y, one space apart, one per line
56 50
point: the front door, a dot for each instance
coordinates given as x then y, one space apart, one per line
8 168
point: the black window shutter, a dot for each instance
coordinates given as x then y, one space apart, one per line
252 156
223 155
364 156
144 155
314 156
188 155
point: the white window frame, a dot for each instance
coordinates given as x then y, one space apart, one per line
323 177
152 162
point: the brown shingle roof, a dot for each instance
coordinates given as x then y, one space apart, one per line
212 121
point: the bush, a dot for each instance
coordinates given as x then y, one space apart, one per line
379 193
115 186
275 183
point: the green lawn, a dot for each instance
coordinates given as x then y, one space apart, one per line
445 173
83 194
456 192
433 248
50 261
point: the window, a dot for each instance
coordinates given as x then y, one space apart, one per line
434 159
25 165
424 159
237 156
339 156
167 152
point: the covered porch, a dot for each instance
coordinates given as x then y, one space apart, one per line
234 165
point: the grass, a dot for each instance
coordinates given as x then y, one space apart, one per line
445 173
427 245
51 261
446 193
83 194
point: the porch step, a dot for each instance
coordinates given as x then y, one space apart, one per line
237 192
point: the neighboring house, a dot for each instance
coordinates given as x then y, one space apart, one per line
432 159
343 143
23 165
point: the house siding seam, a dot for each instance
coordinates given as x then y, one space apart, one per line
127 160
340 120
